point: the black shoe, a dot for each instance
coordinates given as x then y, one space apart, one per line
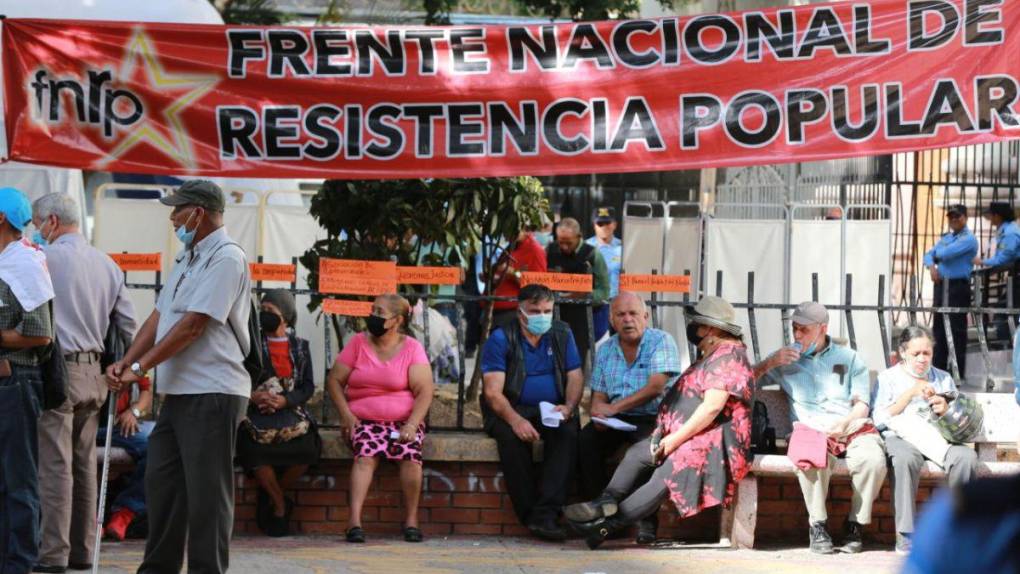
903 543
355 534
412 534
602 507
598 531
279 526
548 530
79 566
853 541
821 542
53 569
263 510
646 531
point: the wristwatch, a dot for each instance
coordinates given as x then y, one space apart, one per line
136 412
136 368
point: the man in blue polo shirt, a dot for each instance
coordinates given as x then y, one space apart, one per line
950 263
631 372
829 390
528 361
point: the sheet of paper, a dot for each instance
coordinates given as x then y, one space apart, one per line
615 423
550 417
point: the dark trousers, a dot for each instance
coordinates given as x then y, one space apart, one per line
959 296
20 396
576 316
597 443
189 483
641 481
558 461
600 321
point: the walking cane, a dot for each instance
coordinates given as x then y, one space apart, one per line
101 510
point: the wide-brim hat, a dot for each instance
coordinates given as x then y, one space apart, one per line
715 312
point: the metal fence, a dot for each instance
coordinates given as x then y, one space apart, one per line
849 308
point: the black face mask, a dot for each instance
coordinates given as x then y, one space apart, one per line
376 325
692 334
270 321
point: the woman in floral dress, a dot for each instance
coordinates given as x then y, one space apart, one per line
701 446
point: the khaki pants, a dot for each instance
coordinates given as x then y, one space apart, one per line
67 468
866 459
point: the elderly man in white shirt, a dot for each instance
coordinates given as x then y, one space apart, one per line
89 294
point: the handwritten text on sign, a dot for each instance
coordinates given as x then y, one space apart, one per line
569 282
138 261
354 277
347 308
428 275
656 283
273 272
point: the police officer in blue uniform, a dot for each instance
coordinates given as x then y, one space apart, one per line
1007 248
611 248
950 262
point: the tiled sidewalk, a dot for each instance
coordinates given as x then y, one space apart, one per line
473 555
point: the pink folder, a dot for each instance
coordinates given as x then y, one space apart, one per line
808 447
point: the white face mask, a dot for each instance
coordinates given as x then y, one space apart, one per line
916 368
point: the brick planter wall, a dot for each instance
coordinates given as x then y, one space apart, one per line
461 498
782 517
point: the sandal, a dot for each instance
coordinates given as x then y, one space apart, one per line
355 534
412 534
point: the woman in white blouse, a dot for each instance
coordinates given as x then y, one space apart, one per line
913 385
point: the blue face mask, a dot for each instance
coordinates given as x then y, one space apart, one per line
810 350
539 323
543 239
38 238
183 234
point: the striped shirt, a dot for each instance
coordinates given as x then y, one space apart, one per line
614 377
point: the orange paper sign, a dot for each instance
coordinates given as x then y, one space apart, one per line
568 282
138 261
273 272
355 277
428 275
656 283
348 308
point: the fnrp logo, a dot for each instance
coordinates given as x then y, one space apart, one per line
95 101
134 102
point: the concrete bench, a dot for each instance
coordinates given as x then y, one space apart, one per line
738 524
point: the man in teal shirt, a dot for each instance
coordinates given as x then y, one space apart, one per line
829 390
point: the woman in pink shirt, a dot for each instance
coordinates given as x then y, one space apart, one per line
381 385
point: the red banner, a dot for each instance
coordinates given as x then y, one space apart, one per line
765 86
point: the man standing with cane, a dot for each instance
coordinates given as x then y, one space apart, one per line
196 338
89 291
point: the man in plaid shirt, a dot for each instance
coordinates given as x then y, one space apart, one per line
25 334
632 371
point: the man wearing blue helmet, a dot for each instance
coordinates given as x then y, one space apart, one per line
25 335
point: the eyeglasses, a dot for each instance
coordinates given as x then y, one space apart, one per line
602 223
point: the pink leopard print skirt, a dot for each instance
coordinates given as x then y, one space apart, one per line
372 438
